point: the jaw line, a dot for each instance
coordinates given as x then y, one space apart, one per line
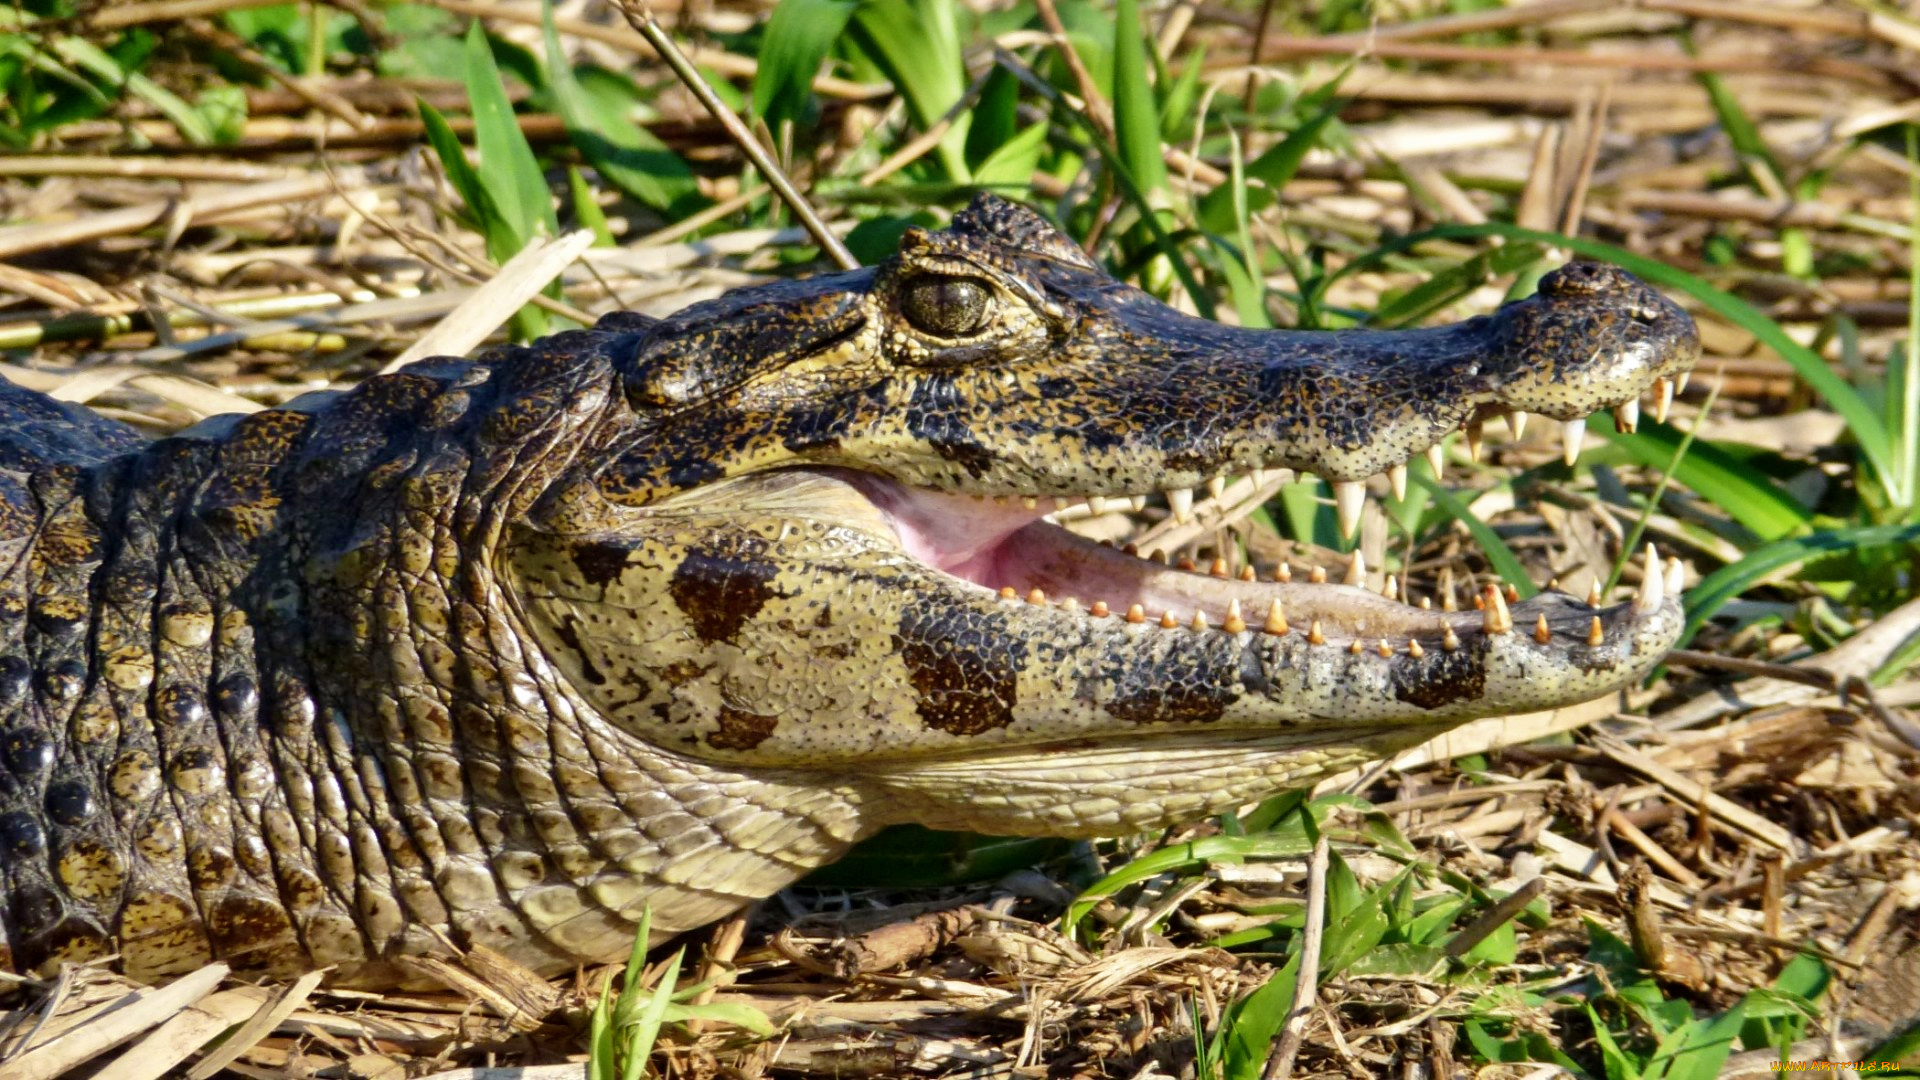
1002 546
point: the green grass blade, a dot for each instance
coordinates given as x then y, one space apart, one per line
1249 1027
797 39
1273 844
1277 164
632 158
1505 563
1907 422
507 167
1758 504
1136 121
453 159
917 44
586 209
1730 581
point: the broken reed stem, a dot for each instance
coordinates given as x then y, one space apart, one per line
1306 987
642 20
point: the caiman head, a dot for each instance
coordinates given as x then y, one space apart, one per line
814 538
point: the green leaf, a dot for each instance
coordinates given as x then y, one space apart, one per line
1277 164
586 209
1280 843
1253 1021
96 62
507 167
223 107
797 39
1728 582
1762 507
453 159
1012 165
917 44
628 155
1136 121
1698 1049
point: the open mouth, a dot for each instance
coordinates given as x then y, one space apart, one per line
1009 546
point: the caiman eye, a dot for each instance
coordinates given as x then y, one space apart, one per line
944 305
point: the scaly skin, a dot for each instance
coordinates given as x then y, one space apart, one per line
669 612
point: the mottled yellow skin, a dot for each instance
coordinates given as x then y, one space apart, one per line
664 614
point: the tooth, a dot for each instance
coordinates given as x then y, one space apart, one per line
1247 574
1317 575
1180 500
1593 594
1159 555
1426 603
1284 572
1474 431
1596 634
1571 434
1234 624
1007 593
1626 415
1187 564
1662 399
1314 636
1391 590
1447 602
1517 423
1219 566
1136 614
1138 502
1397 479
1357 570
1541 632
1167 621
1386 650
1553 584
1098 504
1437 460
1199 619
1513 593
1480 601
1100 610
1276 620
1348 498
1258 475
1652 584
1496 619
1030 502
1356 648
1216 485
1451 641
1414 650
1132 549
1676 577
1680 382
1071 603
1037 596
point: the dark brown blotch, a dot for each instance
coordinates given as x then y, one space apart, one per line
1441 679
741 730
722 586
1173 704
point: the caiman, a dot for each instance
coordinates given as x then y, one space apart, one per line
664 613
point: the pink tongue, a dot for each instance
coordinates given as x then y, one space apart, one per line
956 534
